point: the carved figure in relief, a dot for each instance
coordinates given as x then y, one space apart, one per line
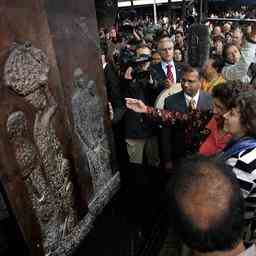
88 112
31 169
44 168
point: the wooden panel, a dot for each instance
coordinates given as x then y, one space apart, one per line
55 157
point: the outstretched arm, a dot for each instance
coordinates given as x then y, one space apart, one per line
136 105
157 115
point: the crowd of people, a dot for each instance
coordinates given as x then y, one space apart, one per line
208 111
243 12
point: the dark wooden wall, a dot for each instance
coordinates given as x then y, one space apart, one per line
66 32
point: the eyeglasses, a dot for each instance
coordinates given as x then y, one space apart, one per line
166 49
183 81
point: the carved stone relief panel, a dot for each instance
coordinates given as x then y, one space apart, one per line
77 49
88 117
45 170
54 151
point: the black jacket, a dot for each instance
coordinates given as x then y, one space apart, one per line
137 127
114 93
159 76
173 138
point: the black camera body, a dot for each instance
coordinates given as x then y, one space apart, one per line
138 73
126 29
126 57
141 75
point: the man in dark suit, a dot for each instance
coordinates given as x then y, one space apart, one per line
167 71
173 143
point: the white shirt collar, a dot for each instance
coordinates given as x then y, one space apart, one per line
104 65
189 98
164 64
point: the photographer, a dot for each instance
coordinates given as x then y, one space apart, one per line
128 49
139 132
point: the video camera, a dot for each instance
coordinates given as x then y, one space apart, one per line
125 23
126 29
139 73
126 57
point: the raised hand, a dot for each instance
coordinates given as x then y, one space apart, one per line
136 105
168 84
111 111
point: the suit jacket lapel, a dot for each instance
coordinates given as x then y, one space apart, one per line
161 71
182 102
178 69
201 101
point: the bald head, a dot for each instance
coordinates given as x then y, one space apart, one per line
207 205
207 196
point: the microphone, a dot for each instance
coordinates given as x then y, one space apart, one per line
198 45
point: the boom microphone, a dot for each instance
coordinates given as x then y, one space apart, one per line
198 45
